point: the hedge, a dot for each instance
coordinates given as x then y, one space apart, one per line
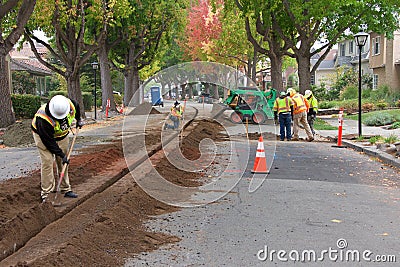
25 106
87 98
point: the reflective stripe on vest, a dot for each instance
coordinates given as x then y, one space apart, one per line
283 105
299 104
58 132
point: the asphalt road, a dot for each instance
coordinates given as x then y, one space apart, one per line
339 204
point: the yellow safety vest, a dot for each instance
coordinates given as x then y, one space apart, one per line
283 104
300 104
176 112
58 132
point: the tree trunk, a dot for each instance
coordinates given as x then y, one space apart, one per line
304 65
183 86
75 93
190 90
216 94
176 92
128 86
276 73
105 78
7 116
136 87
207 87
254 66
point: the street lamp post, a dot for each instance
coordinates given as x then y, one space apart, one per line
361 39
95 66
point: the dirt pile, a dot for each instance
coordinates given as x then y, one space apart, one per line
144 109
18 134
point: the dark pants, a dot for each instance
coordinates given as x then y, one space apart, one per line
310 120
285 121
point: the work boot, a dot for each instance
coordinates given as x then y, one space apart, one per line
70 194
310 139
295 139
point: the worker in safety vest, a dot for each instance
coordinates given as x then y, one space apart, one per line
50 127
312 110
300 108
175 116
283 107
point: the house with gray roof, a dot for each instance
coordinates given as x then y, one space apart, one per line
24 60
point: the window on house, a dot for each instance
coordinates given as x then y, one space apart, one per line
342 50
377 45
313 79
351 47
375 81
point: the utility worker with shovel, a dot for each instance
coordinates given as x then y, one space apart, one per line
50 126
175 116
312 111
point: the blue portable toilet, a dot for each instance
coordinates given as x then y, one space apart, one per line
156 98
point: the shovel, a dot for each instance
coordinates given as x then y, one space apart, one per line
64 168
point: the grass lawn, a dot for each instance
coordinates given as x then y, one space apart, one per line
394 112
323 125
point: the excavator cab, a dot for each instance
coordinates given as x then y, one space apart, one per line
251 103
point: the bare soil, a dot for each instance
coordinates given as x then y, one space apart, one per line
101 231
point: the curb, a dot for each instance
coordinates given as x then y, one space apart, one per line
384 157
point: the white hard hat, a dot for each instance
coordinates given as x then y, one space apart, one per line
307 93
291 91
59 107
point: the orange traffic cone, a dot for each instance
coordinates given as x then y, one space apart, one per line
260 163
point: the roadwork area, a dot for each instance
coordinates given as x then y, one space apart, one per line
105 224
207 207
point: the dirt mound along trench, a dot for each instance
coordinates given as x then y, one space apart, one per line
117 231
18 134
144 109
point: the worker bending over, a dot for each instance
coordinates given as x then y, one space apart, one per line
300 108
175 116
50 127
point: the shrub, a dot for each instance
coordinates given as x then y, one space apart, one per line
350 105
379 119
350 92
53 93
398 103
391 139
118 99
25 106
327 104
381 104
374 139
396 125
87 98
366 93
368 106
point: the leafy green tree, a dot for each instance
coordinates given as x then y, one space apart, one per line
23 83
141 36
299 24
71 46
14 14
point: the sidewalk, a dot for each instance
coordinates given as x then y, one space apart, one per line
350 128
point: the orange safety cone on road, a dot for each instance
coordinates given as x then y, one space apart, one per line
260 163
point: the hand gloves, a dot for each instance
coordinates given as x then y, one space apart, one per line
79 124
65 160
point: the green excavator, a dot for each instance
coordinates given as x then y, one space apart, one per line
252 104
